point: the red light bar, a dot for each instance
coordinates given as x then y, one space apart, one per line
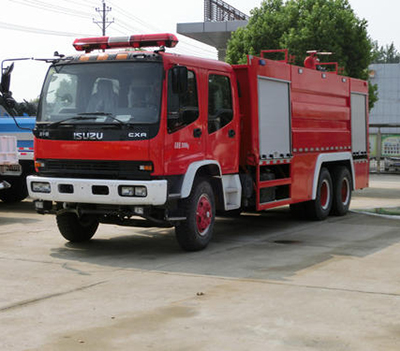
134 41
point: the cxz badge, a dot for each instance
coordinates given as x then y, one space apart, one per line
88 136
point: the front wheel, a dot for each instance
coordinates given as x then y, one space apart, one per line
76 229
196 231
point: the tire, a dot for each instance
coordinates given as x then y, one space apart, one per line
342 187
320 208
196 231
76 229
18 190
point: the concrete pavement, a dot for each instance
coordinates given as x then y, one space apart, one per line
266 282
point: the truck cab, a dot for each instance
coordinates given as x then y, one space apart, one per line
133 133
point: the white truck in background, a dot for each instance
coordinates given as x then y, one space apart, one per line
16 153
8 158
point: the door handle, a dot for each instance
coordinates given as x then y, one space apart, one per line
231 133
197 133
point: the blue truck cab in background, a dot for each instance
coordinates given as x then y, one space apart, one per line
16 175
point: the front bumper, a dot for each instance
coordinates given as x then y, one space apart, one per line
83 191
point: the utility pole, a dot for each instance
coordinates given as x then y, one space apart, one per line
104 23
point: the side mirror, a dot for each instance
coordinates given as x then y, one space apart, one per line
6 79
179 79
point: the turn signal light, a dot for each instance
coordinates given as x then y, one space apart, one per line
148 168
39 164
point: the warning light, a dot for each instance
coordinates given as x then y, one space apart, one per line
135 41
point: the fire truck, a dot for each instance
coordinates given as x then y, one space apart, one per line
156 139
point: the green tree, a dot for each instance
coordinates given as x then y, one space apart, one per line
302 25
387 54
26 108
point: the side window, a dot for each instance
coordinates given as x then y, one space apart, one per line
183 109
220 111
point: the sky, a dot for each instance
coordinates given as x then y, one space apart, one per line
37 28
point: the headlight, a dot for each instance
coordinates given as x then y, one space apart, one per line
126 190
133 191
140 191
41 187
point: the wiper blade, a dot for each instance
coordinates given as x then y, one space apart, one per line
101 114
88 116
95 114
75 118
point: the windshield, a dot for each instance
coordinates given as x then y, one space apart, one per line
109 92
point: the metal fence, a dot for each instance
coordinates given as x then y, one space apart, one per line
384 147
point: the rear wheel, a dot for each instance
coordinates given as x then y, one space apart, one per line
76 229
319 208
196 231
342 187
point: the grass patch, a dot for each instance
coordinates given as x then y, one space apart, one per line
387 211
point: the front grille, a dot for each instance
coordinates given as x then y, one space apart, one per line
95 169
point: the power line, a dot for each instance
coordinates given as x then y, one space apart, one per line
52 8
79 3
185 47
178 50
193 48
134 18
128 29
39 30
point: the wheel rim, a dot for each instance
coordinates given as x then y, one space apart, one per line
203 214
345 191
325 195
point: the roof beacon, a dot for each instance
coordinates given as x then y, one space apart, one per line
135 41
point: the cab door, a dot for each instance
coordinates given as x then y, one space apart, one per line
222 122
185 135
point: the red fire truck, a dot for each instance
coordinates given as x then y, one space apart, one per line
155 139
